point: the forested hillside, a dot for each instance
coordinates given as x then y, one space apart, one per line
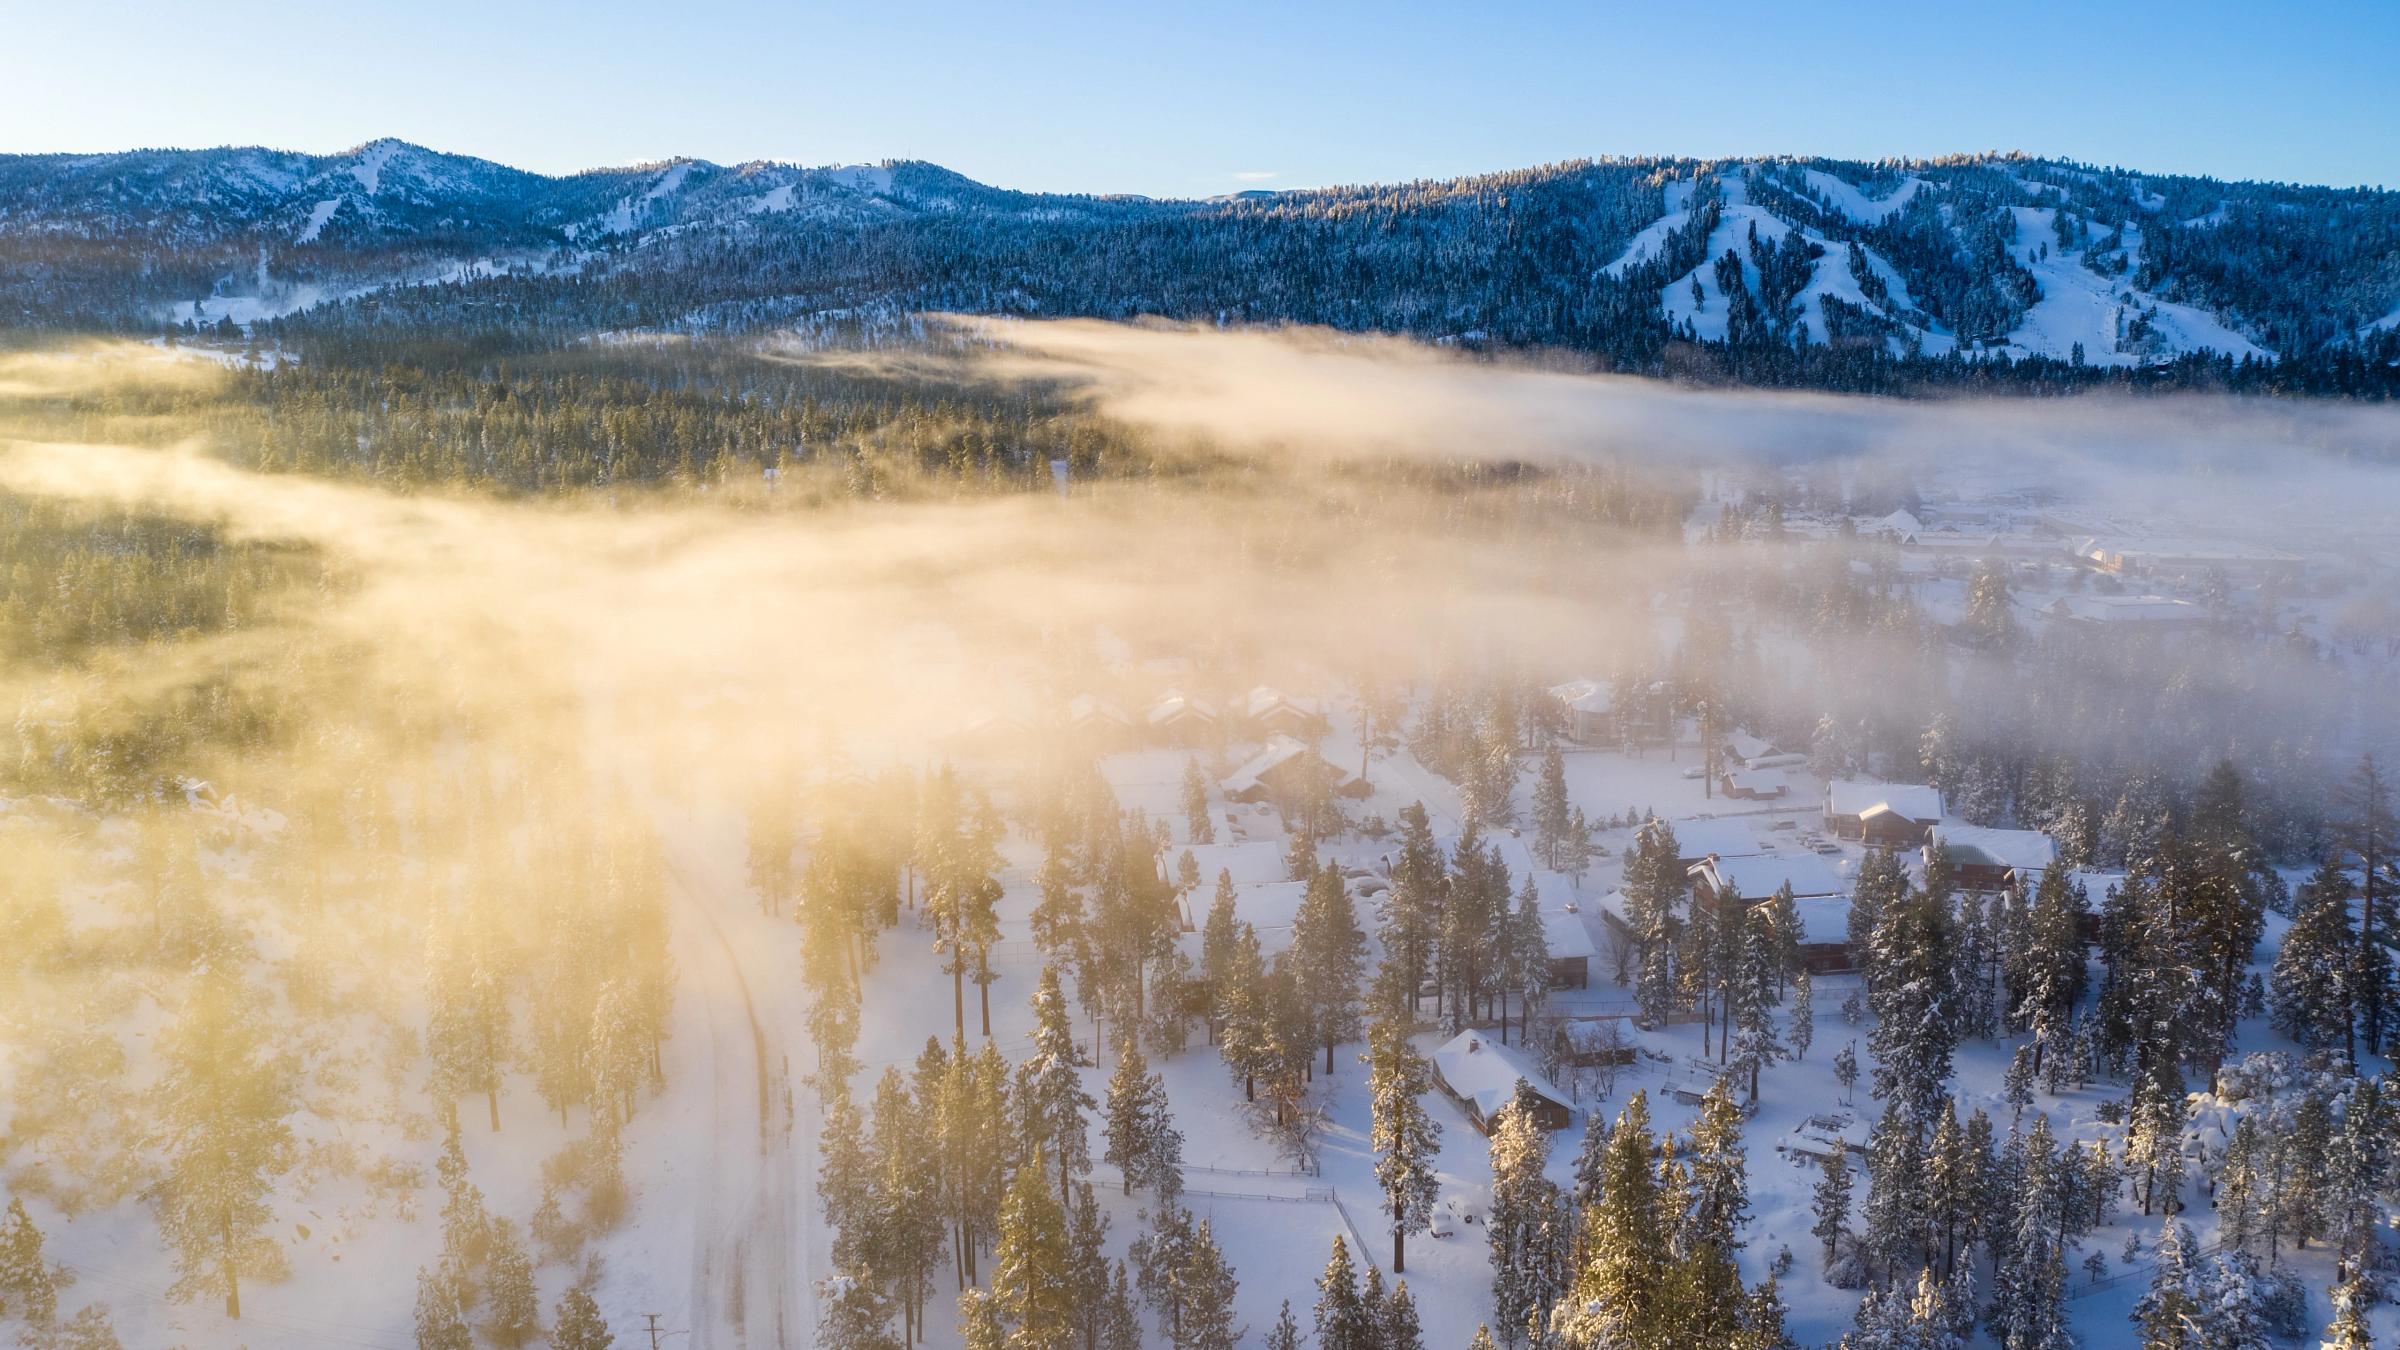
1993 271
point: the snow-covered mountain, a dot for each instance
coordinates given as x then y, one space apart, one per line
1979 258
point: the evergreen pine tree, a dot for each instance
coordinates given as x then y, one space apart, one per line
1052 1102
577 1324
2349 1330
27 1287
1285 1334
516 1310
440 1324
1121 1322
1406 1138
1525 1226
1553 813
1831 1203
1330 953
1342 1318
1033 1288
1209 1288
1622 1256
221 1103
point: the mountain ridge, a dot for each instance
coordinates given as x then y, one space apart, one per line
1992 257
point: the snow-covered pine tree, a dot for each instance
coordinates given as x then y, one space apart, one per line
1528 951
221 1104
1218 936
1245 1039
1591 1166
1613 1294
1525 1227
1051 1102
1197 825
440 1323
1331 954
2349 1329
1088 1265
1408 910
27 1287
515 1306
577 1324
2308 994
1553 813
905 1233
1121 1324
1830 1202
1033 1288
1803 1032
1750 1018
1720 1177
1142 1139
1405 1136
2029 1304
1911 987
1894 1215
1400 1329
1342 1318
1208 1292
1285 1334
1653 884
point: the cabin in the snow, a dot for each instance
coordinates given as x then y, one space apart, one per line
1586 712
1820 898
1180 719
1282 773
1270 711
1988 860
1695 839
1564 932
1096 719
1883 815
1753 785
1481 1075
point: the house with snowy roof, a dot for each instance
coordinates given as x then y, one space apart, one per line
1820 898
1988 859
1566 933
1886 815
1281 770
1753 785
1480 1075
1697 838
1587 712
1269 710
1179 718
1096 718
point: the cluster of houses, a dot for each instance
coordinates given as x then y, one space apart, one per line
1728 862
1179 718
1173 718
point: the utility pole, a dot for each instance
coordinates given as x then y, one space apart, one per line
656 1331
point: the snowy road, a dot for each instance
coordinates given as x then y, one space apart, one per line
747 1169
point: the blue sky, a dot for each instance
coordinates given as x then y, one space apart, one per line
1174 99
